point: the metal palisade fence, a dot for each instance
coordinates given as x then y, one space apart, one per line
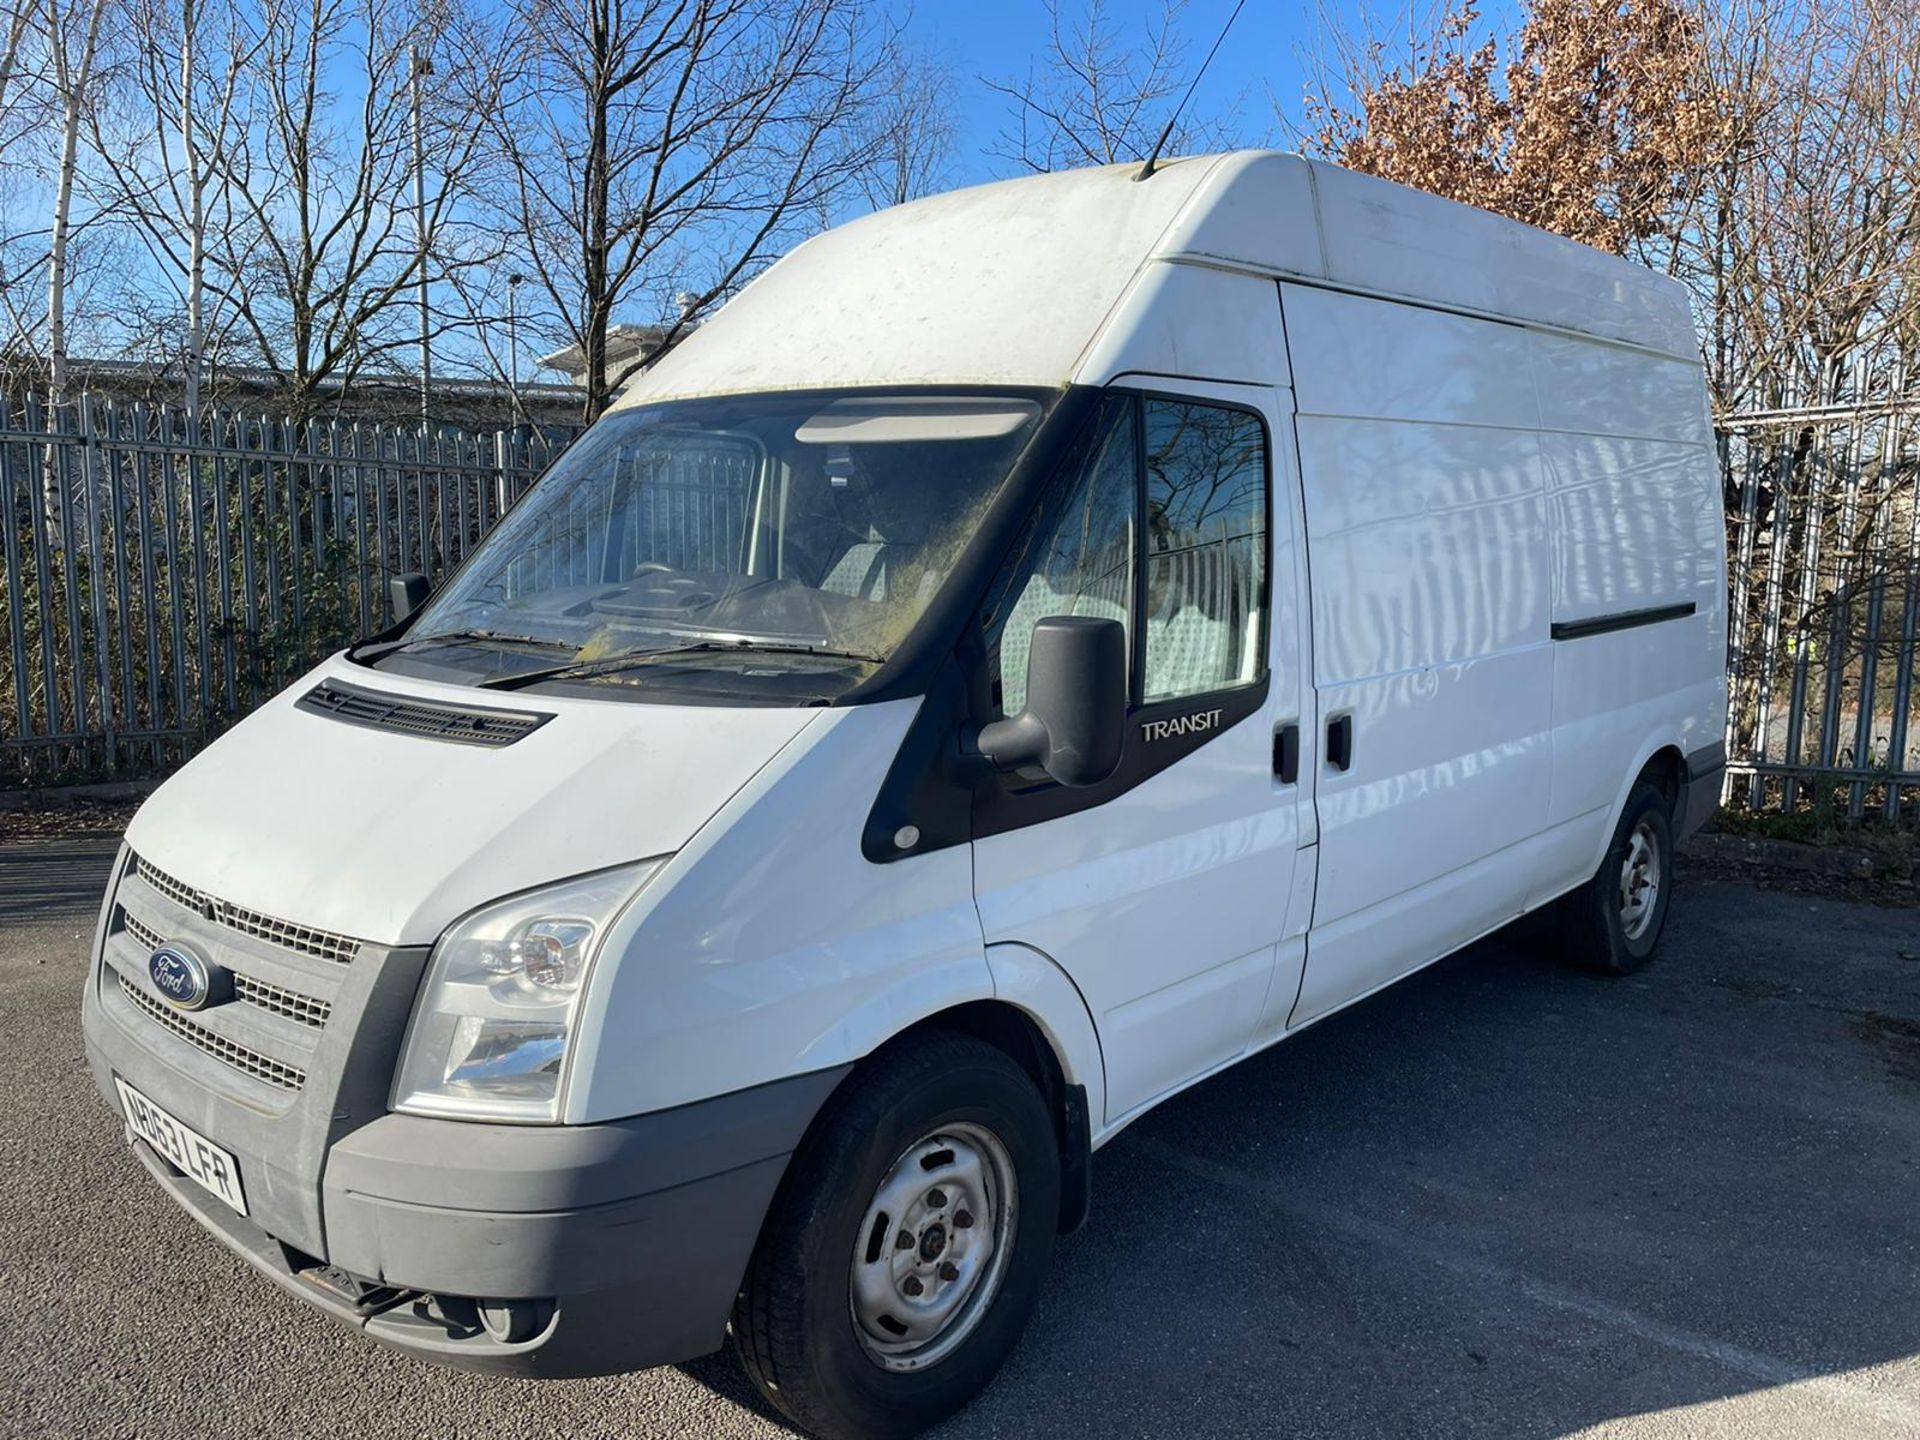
1823 550
162 577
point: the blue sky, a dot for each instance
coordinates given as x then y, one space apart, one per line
1267 54
998 38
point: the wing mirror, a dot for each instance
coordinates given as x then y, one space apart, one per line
406 594
1076 716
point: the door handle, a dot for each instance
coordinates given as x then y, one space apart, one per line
1286 753
1340 742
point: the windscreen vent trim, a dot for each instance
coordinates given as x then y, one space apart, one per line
404 715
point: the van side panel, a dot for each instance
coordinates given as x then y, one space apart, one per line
1431 576
1393 240
1634 510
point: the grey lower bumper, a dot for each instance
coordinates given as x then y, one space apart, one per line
629 1239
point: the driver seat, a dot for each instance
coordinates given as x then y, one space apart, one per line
861 571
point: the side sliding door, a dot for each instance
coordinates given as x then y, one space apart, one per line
1426 518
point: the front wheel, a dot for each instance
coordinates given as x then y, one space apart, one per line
1612 923
907 1244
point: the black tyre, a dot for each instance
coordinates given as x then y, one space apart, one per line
907 1243
1612 923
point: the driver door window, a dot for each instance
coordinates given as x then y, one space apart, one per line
1076 557
1192 479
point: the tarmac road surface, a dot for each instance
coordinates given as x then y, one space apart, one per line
1498 1200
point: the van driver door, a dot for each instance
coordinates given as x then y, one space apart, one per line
1173 893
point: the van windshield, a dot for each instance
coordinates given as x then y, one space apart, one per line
749 535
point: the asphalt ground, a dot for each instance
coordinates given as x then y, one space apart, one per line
1498 1200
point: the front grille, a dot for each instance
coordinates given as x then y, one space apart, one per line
171 888
378 711
277 998
322 944
281 1001
249 1062
133 927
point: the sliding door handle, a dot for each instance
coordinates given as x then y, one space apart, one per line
1340 743
1286 753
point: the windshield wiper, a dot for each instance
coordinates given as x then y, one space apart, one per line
457 637
614 664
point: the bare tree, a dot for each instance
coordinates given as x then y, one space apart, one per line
658 152
1803 243
24 107
1098 97
71 30
162 169
73 46
910 132
324 245
12 45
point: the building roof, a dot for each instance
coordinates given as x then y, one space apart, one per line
472 402
623 343
1009 283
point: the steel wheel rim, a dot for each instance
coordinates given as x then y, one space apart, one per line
1640 879
941 1220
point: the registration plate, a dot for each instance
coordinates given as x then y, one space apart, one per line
198 1158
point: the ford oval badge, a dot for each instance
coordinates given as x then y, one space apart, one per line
180 976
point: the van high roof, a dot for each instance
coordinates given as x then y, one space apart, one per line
1010 283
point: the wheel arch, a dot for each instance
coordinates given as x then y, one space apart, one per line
1667 768
1022 1036
1659 757
1037 1017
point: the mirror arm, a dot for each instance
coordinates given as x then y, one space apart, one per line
1008 744
406 594
1073 724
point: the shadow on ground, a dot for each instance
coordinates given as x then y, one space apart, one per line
49 879
1502 1199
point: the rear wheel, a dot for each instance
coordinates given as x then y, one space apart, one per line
907 1244
1612 923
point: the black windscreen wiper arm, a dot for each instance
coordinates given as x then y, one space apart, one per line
455 637
587 669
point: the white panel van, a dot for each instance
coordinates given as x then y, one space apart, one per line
1032 649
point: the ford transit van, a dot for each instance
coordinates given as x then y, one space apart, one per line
1032 649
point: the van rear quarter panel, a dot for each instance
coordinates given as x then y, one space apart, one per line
1635 517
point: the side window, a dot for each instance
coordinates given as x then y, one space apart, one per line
1076 557
1206 533
1204 473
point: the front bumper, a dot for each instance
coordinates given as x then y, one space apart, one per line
627 1241
603 1247
623 1244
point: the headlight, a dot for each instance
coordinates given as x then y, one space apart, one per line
492 1023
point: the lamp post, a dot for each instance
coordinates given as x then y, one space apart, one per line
513 343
